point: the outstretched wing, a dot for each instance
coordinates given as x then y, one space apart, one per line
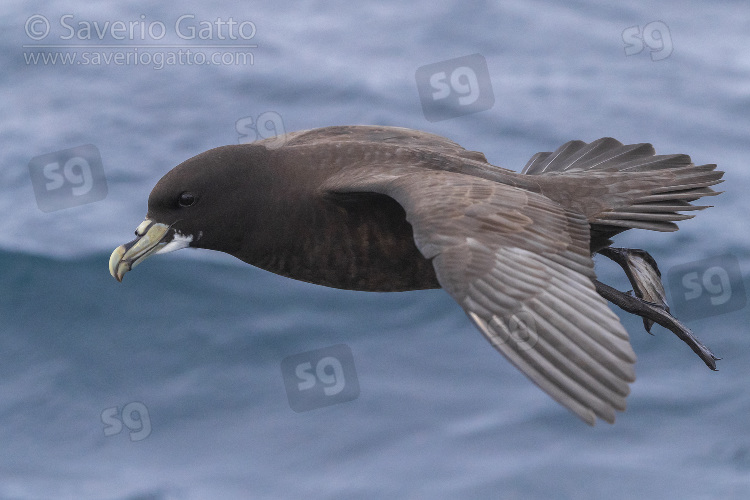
519 265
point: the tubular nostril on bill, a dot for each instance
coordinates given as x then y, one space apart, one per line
143 227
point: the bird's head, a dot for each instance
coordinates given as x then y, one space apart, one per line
200 203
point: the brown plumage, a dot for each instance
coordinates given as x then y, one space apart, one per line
392 209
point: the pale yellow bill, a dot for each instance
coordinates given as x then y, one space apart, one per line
151 237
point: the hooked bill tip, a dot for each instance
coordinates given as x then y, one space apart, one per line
115 262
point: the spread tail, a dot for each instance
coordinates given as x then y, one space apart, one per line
619 187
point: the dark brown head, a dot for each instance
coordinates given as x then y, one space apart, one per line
202 203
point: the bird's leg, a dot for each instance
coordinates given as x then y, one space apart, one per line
643 274
658 314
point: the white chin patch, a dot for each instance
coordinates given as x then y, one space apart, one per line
179 241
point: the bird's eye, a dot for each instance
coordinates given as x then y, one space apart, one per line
186 199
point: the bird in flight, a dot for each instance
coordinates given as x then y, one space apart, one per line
390 209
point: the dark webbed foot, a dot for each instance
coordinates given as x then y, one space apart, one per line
657 314
643 274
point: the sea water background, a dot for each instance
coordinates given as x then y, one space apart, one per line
198 337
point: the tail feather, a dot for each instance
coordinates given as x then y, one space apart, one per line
667 206
630 186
